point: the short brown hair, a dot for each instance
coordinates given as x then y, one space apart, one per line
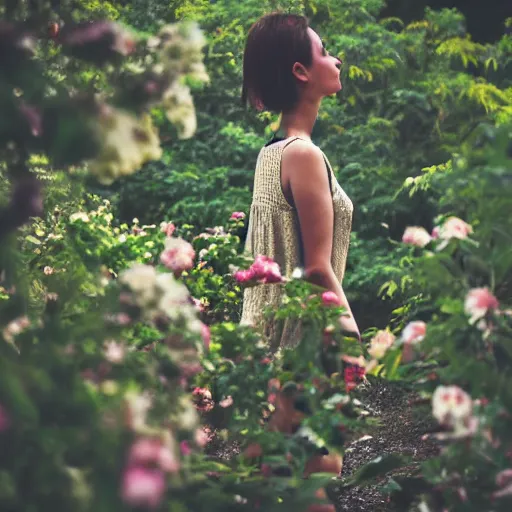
274 43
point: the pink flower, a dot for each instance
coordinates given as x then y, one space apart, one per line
4 419
198 304
244 276
479 301
380 344
452 406
504 481
114 351
237 216
226 402
178 255
146 451
185 448
205 333
264 270
330 299
414 332
168 228
143 487
417 236
453 227
201 437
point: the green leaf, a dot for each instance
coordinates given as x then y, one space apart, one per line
33 240
376 468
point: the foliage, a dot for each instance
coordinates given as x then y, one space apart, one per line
112 326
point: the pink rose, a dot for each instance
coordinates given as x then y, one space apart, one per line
380 344
330 299
143 487
198 304
201 437
451 406
414 332
168 228
237 216
244 276
178 255
417 236
264 270
479 301
453 227
226 402
504 482
146 451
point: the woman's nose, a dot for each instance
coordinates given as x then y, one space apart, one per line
339 62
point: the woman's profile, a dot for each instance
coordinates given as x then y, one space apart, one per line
300 216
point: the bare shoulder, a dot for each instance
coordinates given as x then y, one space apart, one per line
303 157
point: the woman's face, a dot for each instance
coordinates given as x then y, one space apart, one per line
322 78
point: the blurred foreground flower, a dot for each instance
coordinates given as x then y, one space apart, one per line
504 482
178 255
413 334
126 144
143 487
330 299
380 343
168 228
415 235
479 302
452 407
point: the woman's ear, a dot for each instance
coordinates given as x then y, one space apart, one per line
300 72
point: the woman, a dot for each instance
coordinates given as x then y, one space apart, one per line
300 216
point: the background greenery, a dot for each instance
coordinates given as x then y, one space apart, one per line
420 131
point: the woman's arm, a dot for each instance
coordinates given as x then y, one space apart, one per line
304 178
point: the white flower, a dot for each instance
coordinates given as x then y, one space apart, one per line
137 407
380 344
142 280
452 406
187 416
79 216
415 235
297 273
114 351
126 144
180 110
15 327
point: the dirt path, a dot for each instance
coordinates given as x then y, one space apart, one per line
400 431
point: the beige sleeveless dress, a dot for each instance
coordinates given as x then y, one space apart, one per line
274 231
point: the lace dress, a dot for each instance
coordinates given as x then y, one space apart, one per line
274 231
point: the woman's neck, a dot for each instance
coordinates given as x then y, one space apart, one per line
300 121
